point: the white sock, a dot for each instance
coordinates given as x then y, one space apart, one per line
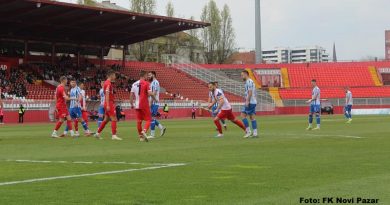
255 131
310 125
65 132
160 126
248 129
152 132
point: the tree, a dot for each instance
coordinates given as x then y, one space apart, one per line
170 10
211 35
143 6
193 42
226 44
141 50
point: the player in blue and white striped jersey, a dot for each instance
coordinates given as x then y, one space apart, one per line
315 106
101 106
75 109
348 105
155 87
249 108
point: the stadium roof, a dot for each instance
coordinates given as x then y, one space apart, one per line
51 21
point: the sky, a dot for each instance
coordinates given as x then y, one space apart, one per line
357 27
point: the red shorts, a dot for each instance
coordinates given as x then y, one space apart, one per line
143 114
63 112
226 114
112 112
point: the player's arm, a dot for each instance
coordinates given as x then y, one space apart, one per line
84 101
220 103
313 98
107 97
250 93
212 103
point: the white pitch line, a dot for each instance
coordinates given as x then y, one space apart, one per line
80 162
88 175
314 135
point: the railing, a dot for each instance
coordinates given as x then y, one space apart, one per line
341 102
229 85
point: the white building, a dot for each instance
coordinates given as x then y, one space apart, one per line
313 54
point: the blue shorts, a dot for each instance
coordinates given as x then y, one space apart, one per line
101 110
348 108
154 110
75 113
315 108
250 110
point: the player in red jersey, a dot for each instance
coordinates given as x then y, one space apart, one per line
62 110
109 106
141 90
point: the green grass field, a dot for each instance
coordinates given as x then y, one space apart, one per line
281 166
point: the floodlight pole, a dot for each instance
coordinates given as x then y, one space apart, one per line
259 54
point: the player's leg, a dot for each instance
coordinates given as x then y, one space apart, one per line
58 126
142 135
101 113
147 117
244 115
349 113
102 126
230 116
114 121
218 124
252 117
318 117
69 124
310 119
154 122
85 116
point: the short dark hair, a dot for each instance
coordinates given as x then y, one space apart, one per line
142 73
73 79
246 72
110 72
314 80
212 83
154 73
62 78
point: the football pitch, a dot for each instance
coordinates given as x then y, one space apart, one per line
189 166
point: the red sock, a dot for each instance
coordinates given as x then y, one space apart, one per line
240 124
76 125
216 122
113 127
139 127
69 124
58 125
102 126
147 125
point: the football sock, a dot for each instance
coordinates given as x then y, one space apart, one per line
219 127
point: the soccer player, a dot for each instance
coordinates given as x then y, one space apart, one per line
155 86
75 109
348 104
1 110
225 107
214 111
62 111
101 106
83 103
250 105
141 90
109 107
315 106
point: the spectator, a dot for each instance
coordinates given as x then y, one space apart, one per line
193 110
21 113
